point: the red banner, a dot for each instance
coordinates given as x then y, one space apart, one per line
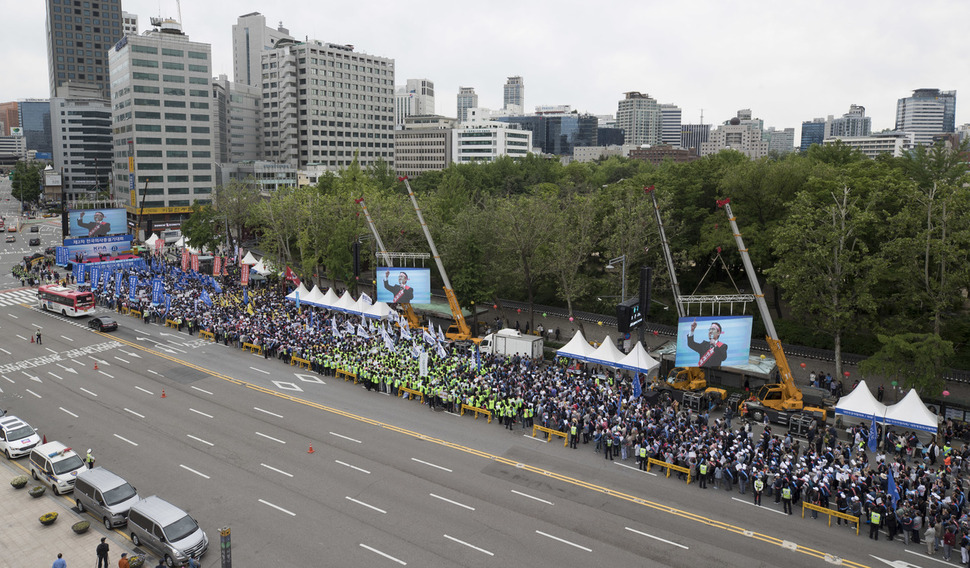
195 262
245 275
239 256
216 266
158 247
185 260
292 277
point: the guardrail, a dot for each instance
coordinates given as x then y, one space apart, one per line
477 411
253 348
550 432
669 466
832 513
412 392
299 362
203 334
347 375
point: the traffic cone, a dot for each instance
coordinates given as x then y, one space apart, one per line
31 338
45 439
95 365
310 451
163 394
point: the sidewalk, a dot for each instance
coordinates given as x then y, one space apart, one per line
28 544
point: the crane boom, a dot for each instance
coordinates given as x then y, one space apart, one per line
674 286
412 317
791 394
463 330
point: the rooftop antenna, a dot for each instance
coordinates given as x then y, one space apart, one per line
178 5
702 116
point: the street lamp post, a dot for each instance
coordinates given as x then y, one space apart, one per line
610 266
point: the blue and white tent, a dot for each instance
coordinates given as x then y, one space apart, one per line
861 404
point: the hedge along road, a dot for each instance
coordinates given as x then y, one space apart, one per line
576 482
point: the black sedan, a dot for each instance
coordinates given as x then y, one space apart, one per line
34 242
103 323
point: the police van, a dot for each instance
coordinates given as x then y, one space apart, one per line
56 465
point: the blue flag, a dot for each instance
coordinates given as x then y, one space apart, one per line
216 287
892 491
206 298
637 389
297 299
118 284
132 286
158 290
78 272
873 436
95 280
168 302
245 295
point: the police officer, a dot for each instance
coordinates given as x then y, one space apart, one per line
89 459
786 494
573 435
702 474
876 515
759 486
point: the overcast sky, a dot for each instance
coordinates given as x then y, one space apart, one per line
787 61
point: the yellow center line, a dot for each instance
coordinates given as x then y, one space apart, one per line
687 515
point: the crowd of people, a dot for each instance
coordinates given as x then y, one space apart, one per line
595 408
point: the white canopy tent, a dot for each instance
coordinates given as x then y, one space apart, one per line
301 291
607 354
362 304
345 303
248 259
150 241
184 243
639 361
577 348
314 298
861 404
379 310
329 299
912 413
261 268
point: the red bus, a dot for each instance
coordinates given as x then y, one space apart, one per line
67 301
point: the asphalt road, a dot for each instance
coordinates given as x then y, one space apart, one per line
389 482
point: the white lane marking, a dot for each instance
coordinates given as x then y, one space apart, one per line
745 501
270 437
564 541
531 497
635 469
200 412
544 441
278 508
202 390
51 373
5 351
144 390
151 371
641 533
268 412
11 381
468 545
141 332
261 371
337 435
200 474
102 361
68 369
67 338
176 349
361 503
135 413
33 393
130 354
123 439
24 338
276 470
106 374
926 557
353 467
446 500
384 554
432 465
123 360
200 440
67 411
51 350
13 316
89 392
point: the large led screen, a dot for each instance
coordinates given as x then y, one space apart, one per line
713 341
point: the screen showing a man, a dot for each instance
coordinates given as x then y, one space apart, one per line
712 352
97 228
400 292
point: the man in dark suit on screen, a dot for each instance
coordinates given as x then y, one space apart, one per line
712 352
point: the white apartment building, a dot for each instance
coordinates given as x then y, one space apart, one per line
482 140
741 133
251 37
236 116
161 92
326 104
639 117
874 145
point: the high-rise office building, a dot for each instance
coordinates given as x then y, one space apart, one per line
780 141
670 118
480 139
813 133
81 132
162 117
79 34
693 135
251 37
9 117
327 104
423 144
129 23
742 134
513 99
852 124
927 113
558 132
639 117
236 116
35 123
467 98
415 98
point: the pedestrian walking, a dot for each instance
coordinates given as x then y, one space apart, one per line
60 562
102 551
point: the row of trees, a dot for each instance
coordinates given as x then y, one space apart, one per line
852 252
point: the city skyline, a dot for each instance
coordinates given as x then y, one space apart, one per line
788 63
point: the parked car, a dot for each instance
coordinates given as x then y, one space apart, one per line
17 438
11 239
34 242
103 323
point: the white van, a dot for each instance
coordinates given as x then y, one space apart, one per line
17 438
56 465
105 495
167 530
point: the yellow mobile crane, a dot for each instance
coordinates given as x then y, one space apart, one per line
460 330
779 402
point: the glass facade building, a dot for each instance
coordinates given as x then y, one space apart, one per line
35 120
79 36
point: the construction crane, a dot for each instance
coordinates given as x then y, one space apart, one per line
412 317
460 331
780 402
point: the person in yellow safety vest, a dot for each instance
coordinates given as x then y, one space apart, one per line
876 515
786 498
759 486
573 435
702 474
643 456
